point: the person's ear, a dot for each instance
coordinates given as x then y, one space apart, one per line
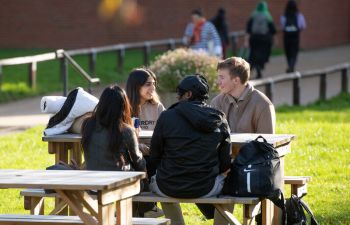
188 94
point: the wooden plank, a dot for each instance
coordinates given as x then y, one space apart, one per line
150 197
239 138
274 139
227 214
38 219
296 179
124 211
122 192
75 206
150 221
67 179
10 219
106 214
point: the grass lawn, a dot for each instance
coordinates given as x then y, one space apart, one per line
321 150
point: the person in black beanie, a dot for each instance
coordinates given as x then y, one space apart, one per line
190 148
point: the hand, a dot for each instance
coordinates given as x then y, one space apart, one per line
226 172
144 149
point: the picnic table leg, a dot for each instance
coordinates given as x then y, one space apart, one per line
249 213
223 215
75 203
267 212
61 154
34 204
123 211
76 153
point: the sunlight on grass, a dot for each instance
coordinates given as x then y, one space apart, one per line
321 150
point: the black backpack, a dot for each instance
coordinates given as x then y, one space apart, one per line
255 172
294 212
291 27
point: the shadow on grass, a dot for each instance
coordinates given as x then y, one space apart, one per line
340 102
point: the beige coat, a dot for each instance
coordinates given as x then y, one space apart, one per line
252 112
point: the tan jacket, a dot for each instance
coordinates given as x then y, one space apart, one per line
253 112
149 115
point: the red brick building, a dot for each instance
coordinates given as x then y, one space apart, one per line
76 23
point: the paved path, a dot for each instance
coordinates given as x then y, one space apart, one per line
19 115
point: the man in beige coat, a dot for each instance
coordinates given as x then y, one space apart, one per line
247 109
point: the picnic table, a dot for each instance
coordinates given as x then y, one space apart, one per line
67 146
71 186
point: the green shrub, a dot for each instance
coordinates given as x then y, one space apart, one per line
172 66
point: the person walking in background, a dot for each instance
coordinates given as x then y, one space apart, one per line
260 29
221 26
202 35
292 22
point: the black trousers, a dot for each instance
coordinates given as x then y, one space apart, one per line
291 48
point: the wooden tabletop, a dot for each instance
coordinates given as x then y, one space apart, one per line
67 179
238 138
274 139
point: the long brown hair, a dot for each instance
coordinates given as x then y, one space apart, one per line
137 78
113 112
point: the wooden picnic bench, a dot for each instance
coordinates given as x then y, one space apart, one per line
113 194
67 146
34 199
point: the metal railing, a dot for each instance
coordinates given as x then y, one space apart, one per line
269 82
120 50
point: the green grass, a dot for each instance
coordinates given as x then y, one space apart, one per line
14 80
321 150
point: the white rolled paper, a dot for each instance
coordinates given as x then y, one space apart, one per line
52 104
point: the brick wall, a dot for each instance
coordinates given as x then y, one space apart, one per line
73 24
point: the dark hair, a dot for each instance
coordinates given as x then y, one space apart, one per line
291 8
112 113
137 78
237 67
197 84
197 12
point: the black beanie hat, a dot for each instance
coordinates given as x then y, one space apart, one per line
197 84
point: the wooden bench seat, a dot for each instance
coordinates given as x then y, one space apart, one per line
33 199
66 220
251 206
298 184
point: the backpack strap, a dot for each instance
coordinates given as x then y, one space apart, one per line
308 210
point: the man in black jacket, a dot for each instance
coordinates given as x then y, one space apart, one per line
190 148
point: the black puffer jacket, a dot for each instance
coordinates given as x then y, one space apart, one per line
189 148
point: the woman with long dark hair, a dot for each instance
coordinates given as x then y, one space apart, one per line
292 22
141 91
108 138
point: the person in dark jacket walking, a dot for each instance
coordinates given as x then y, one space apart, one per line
190 148
221 26
260 30
292 22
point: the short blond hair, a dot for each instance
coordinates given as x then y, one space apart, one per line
237 67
